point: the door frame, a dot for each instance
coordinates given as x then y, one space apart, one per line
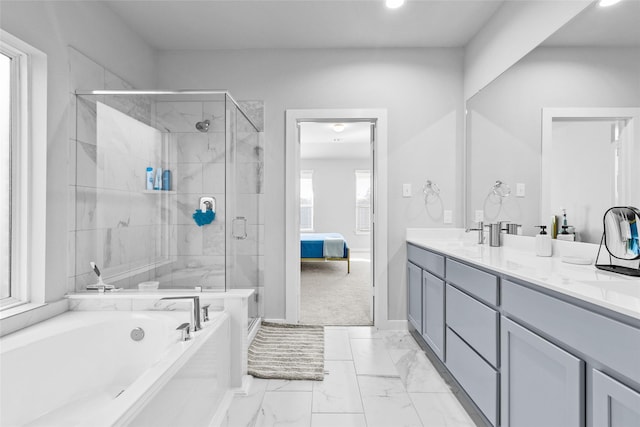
379 207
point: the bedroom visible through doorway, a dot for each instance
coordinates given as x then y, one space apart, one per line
335 202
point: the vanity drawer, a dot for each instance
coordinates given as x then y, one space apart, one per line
475 322
478 283
476 376
612 343
429 261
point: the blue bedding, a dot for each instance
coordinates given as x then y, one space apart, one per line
312 244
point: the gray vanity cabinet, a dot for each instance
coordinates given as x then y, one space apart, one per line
542 385
612 403
433 312
414 296
425 293
524 355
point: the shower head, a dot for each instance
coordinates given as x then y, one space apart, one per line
203 126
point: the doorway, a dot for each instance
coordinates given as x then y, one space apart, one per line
336 176
370 256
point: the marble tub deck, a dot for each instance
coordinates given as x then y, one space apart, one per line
372 379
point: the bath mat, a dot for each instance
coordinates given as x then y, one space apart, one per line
288 352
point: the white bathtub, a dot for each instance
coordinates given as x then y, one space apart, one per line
84 369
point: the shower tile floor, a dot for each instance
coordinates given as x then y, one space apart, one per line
373 378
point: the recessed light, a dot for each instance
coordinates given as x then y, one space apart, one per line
394 4
338 127
605 3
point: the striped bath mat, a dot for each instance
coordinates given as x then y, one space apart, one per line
288 352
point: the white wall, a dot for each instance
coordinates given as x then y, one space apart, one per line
420 88
92 28
506 117
334 189
515 29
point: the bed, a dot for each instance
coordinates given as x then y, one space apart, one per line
324 247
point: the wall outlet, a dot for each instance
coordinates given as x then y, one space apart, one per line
479 216
520 189
406 190
448 217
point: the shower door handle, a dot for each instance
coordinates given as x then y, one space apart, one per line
234 228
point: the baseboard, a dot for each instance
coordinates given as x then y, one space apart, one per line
276 320
395 325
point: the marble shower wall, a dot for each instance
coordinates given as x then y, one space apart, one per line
113 222
134 235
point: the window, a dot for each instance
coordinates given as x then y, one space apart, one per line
23 166
6 82
306 200
363 201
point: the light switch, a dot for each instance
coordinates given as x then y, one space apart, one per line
406 190
448 217
479 216
520 189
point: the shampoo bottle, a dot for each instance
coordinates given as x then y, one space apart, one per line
166 180
543 242
158 182
149 178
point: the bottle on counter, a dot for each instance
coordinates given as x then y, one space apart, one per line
543 242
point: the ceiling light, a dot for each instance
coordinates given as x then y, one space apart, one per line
338 127
605 3
394 4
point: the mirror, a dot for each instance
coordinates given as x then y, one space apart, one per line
592 63
621 232
622 240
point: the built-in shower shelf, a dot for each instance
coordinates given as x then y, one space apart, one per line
159 192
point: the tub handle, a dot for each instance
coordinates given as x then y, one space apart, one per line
184 328
205 313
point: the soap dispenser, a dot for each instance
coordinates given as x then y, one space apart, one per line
543 242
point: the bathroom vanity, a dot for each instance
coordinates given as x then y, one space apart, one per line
532 341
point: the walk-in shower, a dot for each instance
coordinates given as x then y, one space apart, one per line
144 163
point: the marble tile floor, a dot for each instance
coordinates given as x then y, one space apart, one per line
372 379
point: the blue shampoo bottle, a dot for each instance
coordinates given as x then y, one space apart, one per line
166 180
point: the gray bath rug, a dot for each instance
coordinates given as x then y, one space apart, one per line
288 352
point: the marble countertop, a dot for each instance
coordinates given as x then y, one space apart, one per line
517 259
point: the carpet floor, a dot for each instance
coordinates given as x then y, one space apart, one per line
288 352
329 296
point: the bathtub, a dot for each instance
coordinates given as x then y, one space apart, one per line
82 368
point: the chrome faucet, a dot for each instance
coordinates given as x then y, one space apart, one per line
195 310
480 231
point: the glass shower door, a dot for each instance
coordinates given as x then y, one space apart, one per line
244 223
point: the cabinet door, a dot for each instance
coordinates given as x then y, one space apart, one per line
542 385
414 296
433 312
613 404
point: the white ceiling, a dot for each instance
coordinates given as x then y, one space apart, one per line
617 25
269 24
319 140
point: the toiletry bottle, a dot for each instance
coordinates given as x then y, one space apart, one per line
166 180
565 235
554 226
158 182
149 178
543 242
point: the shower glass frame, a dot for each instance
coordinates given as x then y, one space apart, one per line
136 235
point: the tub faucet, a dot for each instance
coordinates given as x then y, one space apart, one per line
480 231
195 309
